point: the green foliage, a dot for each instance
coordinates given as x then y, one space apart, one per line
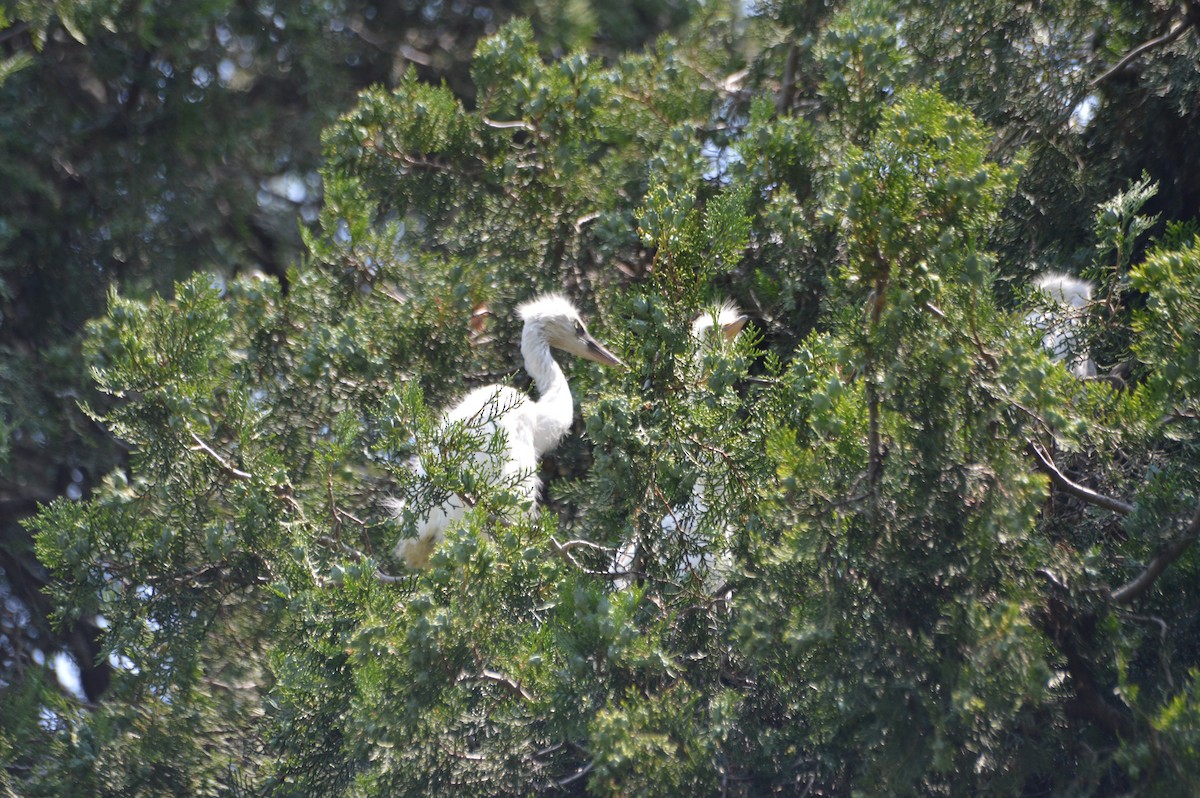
1167 328
1118 224
143 142
690 253
864 66
923 189
653 747
879 543
1171 774
13 64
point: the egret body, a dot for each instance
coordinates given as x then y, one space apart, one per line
1060 326
709 331
530 427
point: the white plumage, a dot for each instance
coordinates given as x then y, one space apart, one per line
728 319
709 331
1060 326
530 427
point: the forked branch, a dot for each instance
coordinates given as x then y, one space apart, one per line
1075 489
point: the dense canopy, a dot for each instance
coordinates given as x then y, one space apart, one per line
949 565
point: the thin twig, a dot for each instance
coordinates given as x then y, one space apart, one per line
352 517
586 544
670 512
1075 489
549 749
427 163
1162 638
726 456
236 473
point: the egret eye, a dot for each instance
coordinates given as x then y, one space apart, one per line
579 329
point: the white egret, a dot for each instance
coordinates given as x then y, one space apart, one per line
709 332
1060 325
530 427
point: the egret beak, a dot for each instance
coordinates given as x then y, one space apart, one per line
594 351
734 327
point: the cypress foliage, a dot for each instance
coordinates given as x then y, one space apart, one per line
952 566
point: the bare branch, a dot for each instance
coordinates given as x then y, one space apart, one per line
1075 489
585 220
495 677
236 473
1162 639
1145 47
1172 552
517 124
563 550
13 31
787 85
356 26
576 776
413 54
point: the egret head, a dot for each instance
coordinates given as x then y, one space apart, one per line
1065 289
728 319
555 320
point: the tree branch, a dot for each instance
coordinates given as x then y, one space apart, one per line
787 84
1143 582
515 124
586 544
496 677
1073 635
874 447
1144 47
13 31
236 473
1075 489
1163 656
563 551
576 776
